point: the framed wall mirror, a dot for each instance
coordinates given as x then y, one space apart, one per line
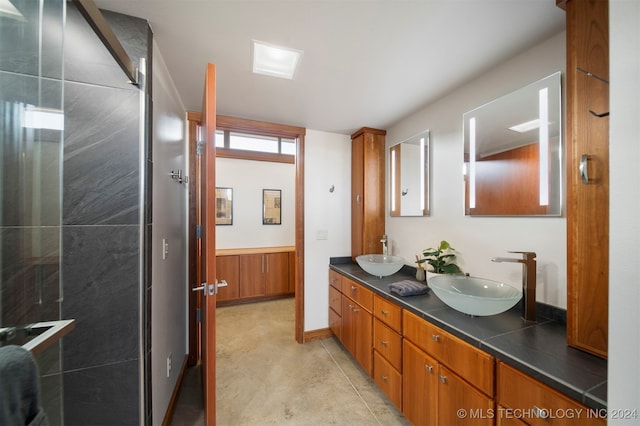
513 153
409 176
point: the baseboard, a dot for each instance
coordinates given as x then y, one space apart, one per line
168 417
322 333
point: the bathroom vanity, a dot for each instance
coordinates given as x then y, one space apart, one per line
440 366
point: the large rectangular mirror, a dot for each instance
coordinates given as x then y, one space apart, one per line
513 153
409 176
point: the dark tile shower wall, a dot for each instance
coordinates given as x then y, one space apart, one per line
90 244
101 227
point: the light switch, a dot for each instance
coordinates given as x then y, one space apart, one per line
165 248
322 234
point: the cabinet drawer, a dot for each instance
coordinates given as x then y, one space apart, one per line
516 390
358 293
388 379
470 363
335 280
335 300
388 343
388 312
335 323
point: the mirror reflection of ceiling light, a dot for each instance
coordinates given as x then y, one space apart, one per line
43 118
393 180
8 10
422 177
526 126
273 60
472 163
543 149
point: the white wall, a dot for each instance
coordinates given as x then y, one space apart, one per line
478 239
169 276
248 179
624 205
327 164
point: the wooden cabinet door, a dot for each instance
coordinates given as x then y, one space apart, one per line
363 339
228 269
455 394
374 189
348 332
367 191
277 273
587 201
388 379
419 386
252 277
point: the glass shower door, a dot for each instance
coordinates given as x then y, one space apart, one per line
31 134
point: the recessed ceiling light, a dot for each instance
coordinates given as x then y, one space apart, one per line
526 126
274 60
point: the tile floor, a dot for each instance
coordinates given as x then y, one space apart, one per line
265 378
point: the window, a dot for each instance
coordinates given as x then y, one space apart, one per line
254 140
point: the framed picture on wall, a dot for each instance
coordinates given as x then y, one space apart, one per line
224 206
271 210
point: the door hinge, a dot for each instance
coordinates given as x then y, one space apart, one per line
198 316
198 232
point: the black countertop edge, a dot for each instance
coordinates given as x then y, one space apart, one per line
505 336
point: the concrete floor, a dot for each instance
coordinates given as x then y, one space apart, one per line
265 378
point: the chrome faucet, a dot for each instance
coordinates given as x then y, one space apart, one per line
384 244
528 281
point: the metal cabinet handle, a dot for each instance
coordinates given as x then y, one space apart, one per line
358 198
384 343
384 313
384 378
429 368
354 288
443 379
541 413
584 168
435 337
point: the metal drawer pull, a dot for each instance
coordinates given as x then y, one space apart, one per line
384 343
435 337
354 288
383 312
429 368
384 378
540 412
584 168
443 379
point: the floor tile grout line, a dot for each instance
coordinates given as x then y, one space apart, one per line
350 383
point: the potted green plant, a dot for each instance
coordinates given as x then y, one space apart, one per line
441 259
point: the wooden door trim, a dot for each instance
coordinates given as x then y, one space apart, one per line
230 123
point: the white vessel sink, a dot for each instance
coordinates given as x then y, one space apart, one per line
474 296
380 265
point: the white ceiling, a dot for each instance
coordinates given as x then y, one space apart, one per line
365 63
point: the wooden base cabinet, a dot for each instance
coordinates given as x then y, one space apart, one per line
254 276
354 318
446 381
264 274
537 404
387 348
335 306
228 269
434 395
419 386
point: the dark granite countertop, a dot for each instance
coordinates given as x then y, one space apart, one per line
539 350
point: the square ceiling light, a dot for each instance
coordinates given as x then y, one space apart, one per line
274 60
